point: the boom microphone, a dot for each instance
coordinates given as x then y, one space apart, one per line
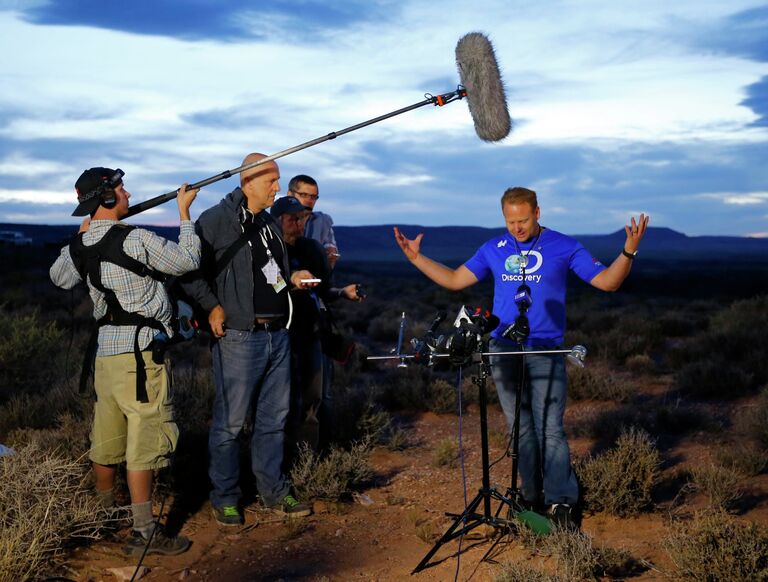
480 75
481 85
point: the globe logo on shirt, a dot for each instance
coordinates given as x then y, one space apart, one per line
530 260
514 263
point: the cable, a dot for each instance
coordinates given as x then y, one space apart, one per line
463 473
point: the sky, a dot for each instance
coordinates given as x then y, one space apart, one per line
617 107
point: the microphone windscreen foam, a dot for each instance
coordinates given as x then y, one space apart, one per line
480 75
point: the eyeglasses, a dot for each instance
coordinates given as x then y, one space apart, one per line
306 195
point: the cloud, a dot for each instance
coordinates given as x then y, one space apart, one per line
757 101
231 21
737 199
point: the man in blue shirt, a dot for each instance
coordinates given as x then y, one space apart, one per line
539 257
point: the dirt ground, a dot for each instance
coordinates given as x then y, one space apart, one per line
379 536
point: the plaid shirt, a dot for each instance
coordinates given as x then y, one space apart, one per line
142 295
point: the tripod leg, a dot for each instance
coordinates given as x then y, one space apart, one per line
451 531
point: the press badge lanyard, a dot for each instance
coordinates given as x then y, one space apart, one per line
271 271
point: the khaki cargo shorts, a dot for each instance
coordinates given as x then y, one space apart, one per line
143 434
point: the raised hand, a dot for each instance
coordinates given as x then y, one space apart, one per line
410 247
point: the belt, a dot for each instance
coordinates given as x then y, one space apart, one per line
265 324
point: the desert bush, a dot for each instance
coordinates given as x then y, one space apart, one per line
720 485
576 558
44 508
715 377
41 410
70 436
727 360
596 382
620 481
521 572
746 460
713 547
30 353
193 395
606 425
332 476
753 422
442 397
407 389
641 364
623 341
445 453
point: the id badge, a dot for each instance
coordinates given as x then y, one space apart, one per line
273 276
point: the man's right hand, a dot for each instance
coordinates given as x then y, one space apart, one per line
184 199
216 320
409 247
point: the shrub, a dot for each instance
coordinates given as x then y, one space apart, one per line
520 572
30 353
715 377
620 481
573 551
714 546
641 364
44 507
753 422
720 485
42 410
445 454
748 461
596 382
442 397
333 476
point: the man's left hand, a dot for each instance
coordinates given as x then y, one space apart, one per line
350 292
299 279
635 231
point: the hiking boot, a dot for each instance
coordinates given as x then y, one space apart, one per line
291 507
159 544
561 515
227 515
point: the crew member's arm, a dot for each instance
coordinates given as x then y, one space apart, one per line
453 279
171 258
612 278
63 272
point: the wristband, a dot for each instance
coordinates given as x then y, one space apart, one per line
630 256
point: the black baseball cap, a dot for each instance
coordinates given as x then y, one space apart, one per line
286 205
91 184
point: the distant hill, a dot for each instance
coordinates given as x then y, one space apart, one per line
454 244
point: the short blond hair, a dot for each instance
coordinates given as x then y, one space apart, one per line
519 195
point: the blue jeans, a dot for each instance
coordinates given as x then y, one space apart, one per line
250 369
545 459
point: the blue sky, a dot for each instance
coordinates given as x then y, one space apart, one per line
618 107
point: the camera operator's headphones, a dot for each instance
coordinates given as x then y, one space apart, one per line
96 187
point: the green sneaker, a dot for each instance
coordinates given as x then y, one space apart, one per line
291 507
227 515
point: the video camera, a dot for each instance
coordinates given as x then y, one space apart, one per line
461 343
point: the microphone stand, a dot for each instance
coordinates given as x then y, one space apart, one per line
470 518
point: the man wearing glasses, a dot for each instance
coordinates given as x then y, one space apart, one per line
319 225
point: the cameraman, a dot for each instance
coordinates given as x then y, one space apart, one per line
533 255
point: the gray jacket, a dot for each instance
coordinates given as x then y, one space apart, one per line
219 228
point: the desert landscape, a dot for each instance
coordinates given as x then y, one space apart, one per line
667 424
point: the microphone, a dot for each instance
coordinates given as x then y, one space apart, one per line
479 74
439 318
523 298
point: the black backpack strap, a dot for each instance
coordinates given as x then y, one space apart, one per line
87 261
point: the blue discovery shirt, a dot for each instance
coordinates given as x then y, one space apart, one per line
546 272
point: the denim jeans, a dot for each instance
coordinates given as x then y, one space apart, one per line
545 458
251 369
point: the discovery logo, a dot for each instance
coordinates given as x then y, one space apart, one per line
531 261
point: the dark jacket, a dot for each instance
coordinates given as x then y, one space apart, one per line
219 228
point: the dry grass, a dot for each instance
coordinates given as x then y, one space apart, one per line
714 546
44 508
